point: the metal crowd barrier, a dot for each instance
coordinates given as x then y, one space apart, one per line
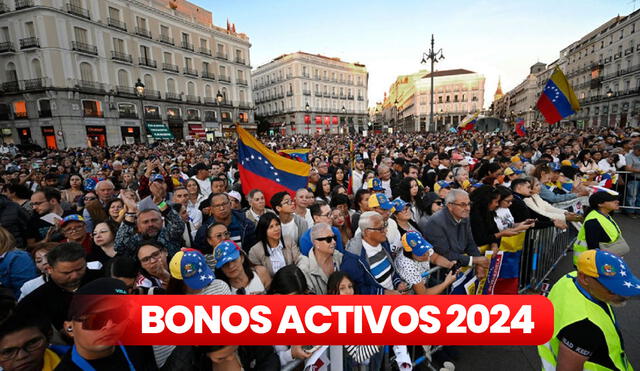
622 188
543 250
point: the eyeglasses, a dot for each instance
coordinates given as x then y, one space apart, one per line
286 202
97 321
87 199
221 206
380 229
461 204
327 239
153 257
73 230
222 235
28 347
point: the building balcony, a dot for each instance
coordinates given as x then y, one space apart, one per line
224 78
126 91
127 115
360 98
170 67
84 48
141 31
10 87
209 101
193 99
90 86
187 46
7 47
350 97
222 55
23 4
326 95
208 75
334 96
35 84
175 120
20 115
147 62
79 11
306 92
166 39
617 56
289 94
205 51
172 96
29 42
244 105
190 71
121 57
116 23
279 95
318 94
45 113
342 96
241 60
628 51
242 82
227 102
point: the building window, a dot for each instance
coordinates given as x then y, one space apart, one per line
226 116
44 108
243 117
127 110
152 112
5 111
91 108
210 116
20 109
193 115
173 112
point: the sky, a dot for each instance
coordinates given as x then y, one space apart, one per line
494 38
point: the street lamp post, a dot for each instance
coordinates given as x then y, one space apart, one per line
434 57
307 109
609 95
395 126
344 112
139 88
219 98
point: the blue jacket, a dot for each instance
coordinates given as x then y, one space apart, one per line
551 197
16 268
242 230
356 265
305 244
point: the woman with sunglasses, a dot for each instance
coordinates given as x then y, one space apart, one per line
273 251
154 268
323 258
234 268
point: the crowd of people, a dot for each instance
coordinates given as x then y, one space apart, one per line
378 214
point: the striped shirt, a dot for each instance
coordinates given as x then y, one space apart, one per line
379 264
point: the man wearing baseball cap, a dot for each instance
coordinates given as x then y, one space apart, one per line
586 334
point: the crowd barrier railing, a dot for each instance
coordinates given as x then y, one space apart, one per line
622 187
543 250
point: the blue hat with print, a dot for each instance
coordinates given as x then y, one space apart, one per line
227 251
381 201
413 242
90 184
399 205
375 184
156 177
610 270
72 218
190 266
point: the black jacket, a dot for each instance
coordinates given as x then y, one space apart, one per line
14 219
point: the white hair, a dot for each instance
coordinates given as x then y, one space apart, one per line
317 230
366 220
452 196
103 182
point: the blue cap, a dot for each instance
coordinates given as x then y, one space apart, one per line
610 270
90 184
72 218
375 184
399 204
156 177
358 158
227 251
190 266
413 242
380 200
516 170
554 166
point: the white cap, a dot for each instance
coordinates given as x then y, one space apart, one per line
236 195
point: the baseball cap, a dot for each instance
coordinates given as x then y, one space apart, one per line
375 184
516 159
610 270
399 205
359 158
190 266
236 195
86 297
414 242
156 177
227 251
441 184
72 218
600 197
380 200
90 184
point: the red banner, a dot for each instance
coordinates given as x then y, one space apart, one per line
307 119
333 320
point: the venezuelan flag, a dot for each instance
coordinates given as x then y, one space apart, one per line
469 122
558 99
264 169
302 154
520 129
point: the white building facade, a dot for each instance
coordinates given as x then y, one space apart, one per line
107 72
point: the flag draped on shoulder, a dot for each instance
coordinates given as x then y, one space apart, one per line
557 100
469 122
261 168
520 129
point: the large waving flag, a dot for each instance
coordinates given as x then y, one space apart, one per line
520 129
557 100
469 122
264 169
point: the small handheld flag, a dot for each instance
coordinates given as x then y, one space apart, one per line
520 129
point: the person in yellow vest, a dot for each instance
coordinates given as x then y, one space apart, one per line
598 227
586 334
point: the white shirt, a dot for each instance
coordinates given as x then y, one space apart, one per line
357 177
386 184
290 229
277 257
205 186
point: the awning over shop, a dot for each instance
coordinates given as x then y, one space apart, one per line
196 130
159 130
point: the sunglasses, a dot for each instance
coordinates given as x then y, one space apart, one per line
386 225
222 235
439 203
327 239
97 321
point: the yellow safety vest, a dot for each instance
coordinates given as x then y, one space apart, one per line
571 306
609 226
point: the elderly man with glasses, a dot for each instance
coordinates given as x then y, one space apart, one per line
323 259
449 231
368 259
